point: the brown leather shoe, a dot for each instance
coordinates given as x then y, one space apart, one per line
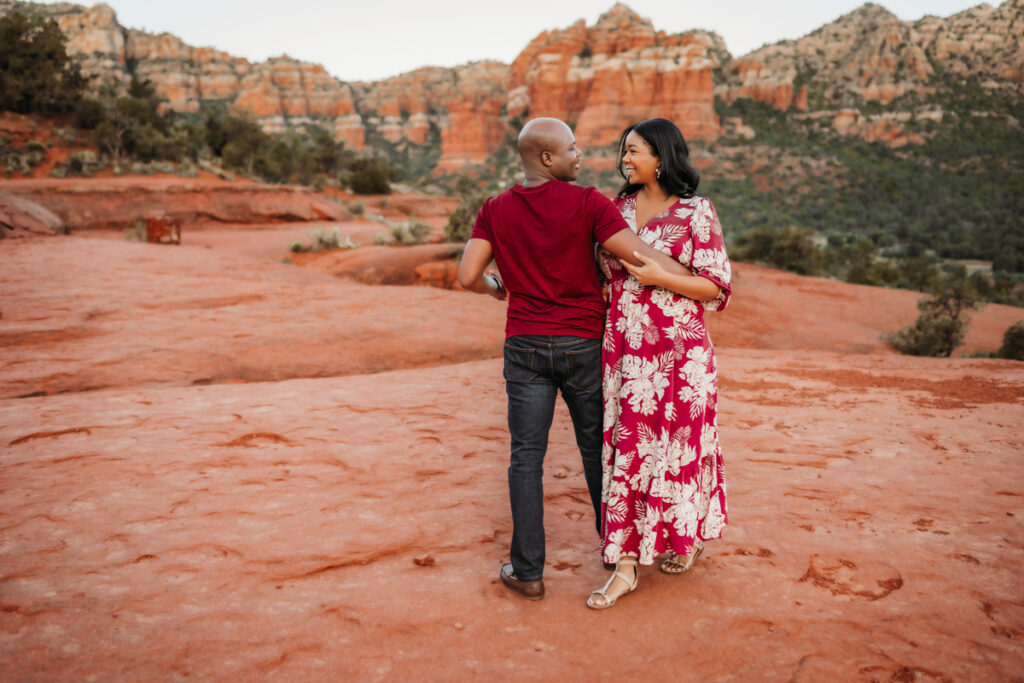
531 590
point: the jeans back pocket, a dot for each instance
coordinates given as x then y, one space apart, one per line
519 364
584 367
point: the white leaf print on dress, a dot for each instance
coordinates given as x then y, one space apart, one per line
645 382
665 237
699 382
634 323
684 211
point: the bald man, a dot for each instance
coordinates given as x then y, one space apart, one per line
542 235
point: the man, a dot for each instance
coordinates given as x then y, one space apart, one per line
542 235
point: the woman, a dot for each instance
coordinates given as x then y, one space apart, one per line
664 482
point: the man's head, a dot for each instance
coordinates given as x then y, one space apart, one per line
548 148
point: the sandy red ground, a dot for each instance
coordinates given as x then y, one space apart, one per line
218 466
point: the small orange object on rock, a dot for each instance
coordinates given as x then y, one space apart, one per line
162 230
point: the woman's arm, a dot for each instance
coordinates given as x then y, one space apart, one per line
651 273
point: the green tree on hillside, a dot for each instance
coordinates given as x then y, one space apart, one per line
1013 342
36 74
941 327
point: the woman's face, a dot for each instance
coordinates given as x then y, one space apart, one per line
638 161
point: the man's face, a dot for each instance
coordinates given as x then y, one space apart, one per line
566 157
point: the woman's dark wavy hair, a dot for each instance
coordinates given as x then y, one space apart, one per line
678 176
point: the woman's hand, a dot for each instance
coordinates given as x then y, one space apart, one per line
649 273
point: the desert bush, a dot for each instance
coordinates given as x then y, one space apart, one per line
410 233
357 208
1013 342
80 164
461 219
942 324
369 176
186 169
322 239
136 233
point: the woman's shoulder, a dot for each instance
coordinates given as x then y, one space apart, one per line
694 200
623 200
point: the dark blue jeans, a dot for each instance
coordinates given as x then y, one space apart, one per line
536 368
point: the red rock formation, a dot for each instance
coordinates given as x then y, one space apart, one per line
463 103
614 73
867 54
982 42
883 128
183 74
117 203
600 77
20 217
96 37
376 265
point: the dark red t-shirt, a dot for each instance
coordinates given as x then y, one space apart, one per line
543 242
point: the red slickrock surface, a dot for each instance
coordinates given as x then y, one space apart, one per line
205 512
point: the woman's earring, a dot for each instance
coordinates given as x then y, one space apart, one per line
657 173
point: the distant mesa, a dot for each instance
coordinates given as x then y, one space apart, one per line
599 78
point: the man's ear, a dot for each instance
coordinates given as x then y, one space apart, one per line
545 158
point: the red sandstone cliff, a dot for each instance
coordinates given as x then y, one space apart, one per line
618 71
598 77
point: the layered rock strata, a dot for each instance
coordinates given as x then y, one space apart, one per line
598 77
618 71
117 203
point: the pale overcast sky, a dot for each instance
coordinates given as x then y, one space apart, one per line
374 39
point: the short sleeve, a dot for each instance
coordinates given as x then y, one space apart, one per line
606 219
482 224
709 258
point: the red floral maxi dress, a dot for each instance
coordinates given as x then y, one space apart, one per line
664 478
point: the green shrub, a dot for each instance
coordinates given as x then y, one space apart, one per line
369 176
792 249
931 335
357 208
942 324
1013 342
82 163
461 219
89 113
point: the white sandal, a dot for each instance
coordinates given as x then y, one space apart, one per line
603 591
675 564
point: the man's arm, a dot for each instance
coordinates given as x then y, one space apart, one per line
475 258
623 243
